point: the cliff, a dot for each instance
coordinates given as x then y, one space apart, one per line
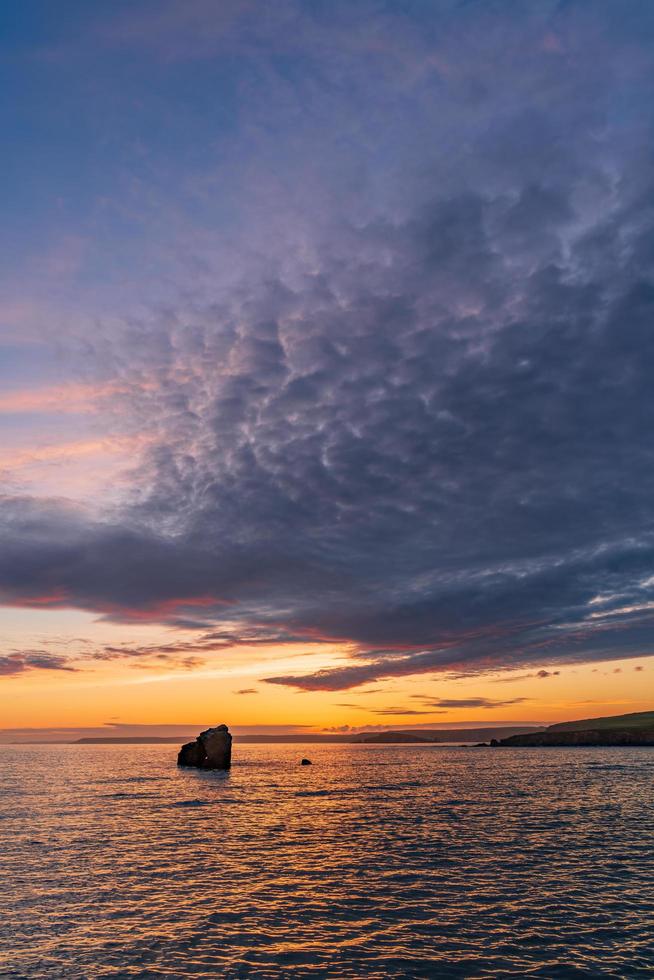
599 737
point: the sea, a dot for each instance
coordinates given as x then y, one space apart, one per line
376 861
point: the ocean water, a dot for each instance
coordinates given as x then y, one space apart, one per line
374 862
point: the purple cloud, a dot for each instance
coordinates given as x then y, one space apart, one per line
19 662
392 374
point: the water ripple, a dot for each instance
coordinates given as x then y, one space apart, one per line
379 862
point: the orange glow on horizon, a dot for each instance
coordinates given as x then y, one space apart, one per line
146 680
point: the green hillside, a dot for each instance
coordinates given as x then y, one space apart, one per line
637 719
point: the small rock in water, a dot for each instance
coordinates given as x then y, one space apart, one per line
306 762
211 750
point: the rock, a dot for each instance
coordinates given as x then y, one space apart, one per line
211 750
191 754
306 762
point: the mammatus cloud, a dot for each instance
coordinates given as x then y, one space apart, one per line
419 428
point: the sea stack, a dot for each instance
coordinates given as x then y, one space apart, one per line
211 750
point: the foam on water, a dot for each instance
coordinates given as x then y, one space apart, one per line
375 862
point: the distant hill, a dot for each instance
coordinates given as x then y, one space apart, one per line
393 737
133 740
636 728
179 739
637 719
427 737
430 737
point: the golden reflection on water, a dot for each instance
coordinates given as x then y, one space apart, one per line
377 861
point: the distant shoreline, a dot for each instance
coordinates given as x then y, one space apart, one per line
253 741
635 728
449 736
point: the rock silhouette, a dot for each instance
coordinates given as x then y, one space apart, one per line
212 749
306 762
598 737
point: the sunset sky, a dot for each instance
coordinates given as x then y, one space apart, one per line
326 364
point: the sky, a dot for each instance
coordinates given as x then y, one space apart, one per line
326 347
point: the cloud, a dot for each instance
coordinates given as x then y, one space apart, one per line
432 726
472 702
402 711
418 427
15 663
247 690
